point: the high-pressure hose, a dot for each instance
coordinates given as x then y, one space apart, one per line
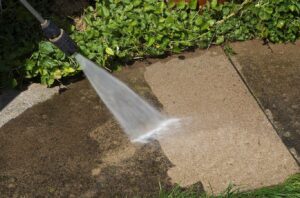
56 35
33 11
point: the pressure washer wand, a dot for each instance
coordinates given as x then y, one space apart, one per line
54 34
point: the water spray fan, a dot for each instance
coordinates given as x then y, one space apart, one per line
53 33
139 119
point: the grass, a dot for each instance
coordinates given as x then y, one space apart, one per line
289 189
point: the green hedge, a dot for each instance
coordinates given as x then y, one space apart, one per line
118 31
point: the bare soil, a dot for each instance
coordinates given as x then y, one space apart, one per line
71 146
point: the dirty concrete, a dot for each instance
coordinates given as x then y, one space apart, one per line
70 146
225 137
13 103
273 74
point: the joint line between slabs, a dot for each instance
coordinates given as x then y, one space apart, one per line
257 101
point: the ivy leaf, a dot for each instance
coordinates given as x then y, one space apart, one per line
264 15
48 63
68 70
13 83
199 21
162 6
90 8
171 3
109 51
220 40
193 4
214 4
151 42
136 3
46 47
57 74
280 24
29 65
181 4
148 8
49 81
105 11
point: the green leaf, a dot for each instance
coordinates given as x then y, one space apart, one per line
193 4
199 21
44 80
68 70
220 40
46 47
148 8
57 74
109 51
263 15
50 82
280 24
214 4
48 63
136 3
171 3
150 41
226 11
90 8
105 11
181 4
292 7
162 6
29 65
211 22
13 83
88 20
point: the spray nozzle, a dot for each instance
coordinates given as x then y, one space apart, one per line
56 35
59 37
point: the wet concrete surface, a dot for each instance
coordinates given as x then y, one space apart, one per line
273 75
71 146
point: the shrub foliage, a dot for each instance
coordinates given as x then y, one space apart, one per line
114 32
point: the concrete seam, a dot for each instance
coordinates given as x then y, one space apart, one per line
257 100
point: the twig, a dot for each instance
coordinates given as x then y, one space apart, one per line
211 40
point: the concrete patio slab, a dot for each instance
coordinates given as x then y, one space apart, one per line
14 103
273 75
225 137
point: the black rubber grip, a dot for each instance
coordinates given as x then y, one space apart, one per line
65 43
50 30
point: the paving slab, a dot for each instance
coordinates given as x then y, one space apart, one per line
225 137
272 72
13 103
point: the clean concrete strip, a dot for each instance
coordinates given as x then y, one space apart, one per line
35 94
225 137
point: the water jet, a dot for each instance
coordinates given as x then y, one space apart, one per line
138 118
